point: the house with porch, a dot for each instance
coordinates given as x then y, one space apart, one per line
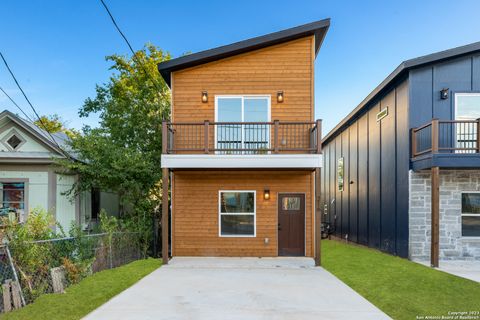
242 151
402 170
30 179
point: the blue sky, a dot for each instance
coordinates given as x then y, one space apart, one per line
57 47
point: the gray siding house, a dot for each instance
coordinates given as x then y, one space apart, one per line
29 178
402 170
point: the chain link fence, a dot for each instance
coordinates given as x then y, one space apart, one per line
30 269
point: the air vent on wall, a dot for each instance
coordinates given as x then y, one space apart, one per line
382 114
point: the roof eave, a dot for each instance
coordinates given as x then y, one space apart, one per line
317 28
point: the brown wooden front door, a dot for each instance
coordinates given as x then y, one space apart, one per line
291 224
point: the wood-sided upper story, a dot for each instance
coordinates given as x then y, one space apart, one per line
254 97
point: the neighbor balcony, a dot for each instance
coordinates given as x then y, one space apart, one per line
274 144
447 144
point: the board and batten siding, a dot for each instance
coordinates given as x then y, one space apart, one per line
195 216
373 207
284 67
458 75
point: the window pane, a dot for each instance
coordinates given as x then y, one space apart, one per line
468 107
237 202
237 225
229 109
471 203
291 203
471 226
12 198
256 136
229 136
256 109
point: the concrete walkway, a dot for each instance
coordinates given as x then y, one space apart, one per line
238 288
467 269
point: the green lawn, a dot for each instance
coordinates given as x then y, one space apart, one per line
400 288
87 295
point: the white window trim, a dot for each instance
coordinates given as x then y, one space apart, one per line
463 94
241 213
467 215
243 96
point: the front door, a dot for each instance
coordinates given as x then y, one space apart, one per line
291 224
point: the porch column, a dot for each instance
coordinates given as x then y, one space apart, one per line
435 206
318 217
165 183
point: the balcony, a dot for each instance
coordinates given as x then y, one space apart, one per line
446 143
242 144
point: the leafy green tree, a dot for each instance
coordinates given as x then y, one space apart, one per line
53 124
123 153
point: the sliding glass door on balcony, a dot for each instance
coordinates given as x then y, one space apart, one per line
467 109
243 124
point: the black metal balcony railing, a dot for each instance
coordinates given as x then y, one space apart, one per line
242 137
446 136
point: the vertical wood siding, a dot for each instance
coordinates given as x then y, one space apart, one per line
195 211
373 208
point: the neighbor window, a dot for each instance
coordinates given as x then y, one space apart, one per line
471 214
467 108
255 110
340 174
12 199
237 213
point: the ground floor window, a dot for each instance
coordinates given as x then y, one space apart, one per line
471 214
12 199
237 213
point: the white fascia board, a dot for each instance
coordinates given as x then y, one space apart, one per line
267 161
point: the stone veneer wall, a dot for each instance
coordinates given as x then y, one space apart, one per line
452 245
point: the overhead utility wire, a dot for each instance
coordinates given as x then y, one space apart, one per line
31 105
154 81
13 101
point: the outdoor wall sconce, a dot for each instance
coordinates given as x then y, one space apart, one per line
204 96
444 94
266 194
280 97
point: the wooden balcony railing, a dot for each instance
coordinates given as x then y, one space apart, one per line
242 137
446 136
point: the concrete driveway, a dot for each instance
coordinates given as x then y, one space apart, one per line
238 288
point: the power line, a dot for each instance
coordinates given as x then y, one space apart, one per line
134 56
31 105
13 101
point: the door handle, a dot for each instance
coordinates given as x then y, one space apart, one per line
279 227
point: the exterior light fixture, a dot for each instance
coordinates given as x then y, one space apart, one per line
266 194
204 96
280 96
444 94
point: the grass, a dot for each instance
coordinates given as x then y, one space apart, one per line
84 297
400 288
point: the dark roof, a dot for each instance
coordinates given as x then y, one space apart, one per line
317 28
398 73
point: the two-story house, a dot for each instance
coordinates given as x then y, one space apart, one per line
242 150
402 170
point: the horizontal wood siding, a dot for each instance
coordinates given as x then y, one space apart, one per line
285 67
195 211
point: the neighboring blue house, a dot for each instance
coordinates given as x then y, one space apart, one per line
419 126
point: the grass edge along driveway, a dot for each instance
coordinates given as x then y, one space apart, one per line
84 297
401 288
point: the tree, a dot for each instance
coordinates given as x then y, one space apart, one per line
53 124
123 153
